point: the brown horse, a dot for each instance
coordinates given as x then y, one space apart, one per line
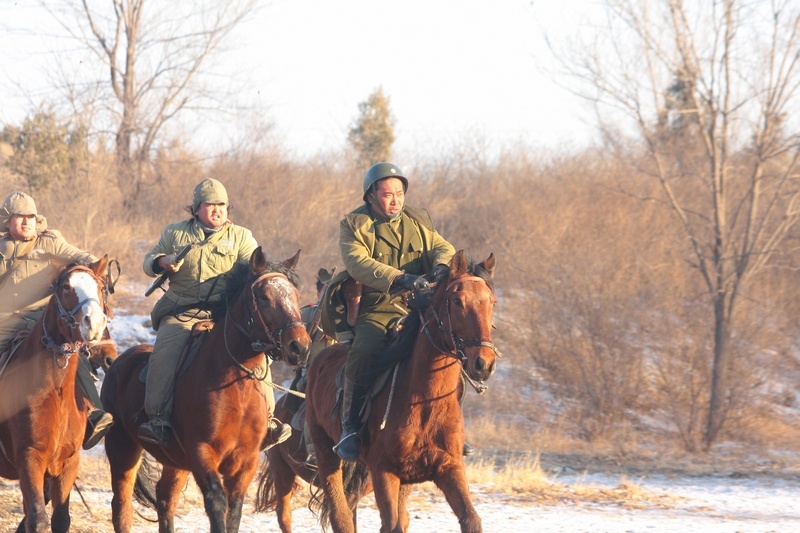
220 413
286 462
42 412
414 429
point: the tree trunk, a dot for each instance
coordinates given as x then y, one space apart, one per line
718 404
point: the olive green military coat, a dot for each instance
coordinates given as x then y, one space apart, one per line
376 260
198 281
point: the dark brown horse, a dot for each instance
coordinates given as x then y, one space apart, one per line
42 412
414 429
220 413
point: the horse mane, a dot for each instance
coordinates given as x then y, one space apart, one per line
477 270
403 343
241 276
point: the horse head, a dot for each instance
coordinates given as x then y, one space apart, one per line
276 306
464 303
79 292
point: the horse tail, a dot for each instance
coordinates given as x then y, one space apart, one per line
356 480
144 490
266 498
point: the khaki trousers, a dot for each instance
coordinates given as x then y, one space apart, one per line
173 334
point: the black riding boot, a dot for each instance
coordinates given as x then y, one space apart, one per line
98 422
355 396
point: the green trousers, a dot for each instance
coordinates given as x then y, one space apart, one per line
367 356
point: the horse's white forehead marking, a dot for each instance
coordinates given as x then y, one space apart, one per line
85 287
285 291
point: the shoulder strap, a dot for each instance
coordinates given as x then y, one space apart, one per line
17 261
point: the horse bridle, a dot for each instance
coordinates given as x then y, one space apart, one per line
66 350
458 343
272 344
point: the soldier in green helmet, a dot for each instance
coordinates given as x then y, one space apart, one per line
384 244
196 284
31 257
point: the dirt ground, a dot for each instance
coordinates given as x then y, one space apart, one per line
91 500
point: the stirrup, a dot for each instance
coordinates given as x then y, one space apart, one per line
155 431
349 446
276 434
468 450
96 429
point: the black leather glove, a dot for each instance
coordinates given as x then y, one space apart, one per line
410 282
439 272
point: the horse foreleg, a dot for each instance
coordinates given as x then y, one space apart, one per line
331 481
453 483
31 484
59 489
387 496
402 507
214 498
236 489
124 458
283 480
168 490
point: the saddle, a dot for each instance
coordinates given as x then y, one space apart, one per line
339 307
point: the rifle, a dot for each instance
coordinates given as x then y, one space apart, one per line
313 324
160 280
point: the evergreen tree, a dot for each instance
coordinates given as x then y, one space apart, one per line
372 134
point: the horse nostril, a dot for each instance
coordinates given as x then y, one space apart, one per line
301 351
480 364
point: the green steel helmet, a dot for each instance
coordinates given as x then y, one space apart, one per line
379 171
210 191
17 203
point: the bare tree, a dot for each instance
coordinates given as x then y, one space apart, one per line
372 134
156 58
703 89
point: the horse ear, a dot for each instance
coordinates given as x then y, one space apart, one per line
489 264
100 266
292 261
258 263
459 263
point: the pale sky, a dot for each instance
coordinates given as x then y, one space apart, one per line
453 70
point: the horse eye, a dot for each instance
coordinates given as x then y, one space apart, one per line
458 302
262 297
